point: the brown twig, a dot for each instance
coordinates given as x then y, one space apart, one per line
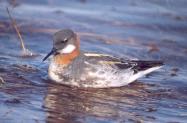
17 30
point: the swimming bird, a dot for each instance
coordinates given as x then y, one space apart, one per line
71 66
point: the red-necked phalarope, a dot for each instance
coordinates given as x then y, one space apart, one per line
71 66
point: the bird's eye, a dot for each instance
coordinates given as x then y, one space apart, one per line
65 40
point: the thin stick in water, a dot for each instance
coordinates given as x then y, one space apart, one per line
25 52
17 30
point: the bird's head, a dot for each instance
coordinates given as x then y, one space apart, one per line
65 42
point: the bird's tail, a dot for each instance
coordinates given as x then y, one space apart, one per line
145 67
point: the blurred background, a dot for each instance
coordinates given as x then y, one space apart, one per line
130 29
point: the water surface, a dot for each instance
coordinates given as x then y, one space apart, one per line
134 29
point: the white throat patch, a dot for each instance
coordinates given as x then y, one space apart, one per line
68 49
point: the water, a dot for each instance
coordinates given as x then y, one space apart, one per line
136 29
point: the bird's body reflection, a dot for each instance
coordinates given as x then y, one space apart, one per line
70 104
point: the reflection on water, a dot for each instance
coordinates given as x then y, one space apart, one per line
129 29
135 103
75 104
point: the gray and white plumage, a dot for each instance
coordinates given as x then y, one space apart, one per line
94 70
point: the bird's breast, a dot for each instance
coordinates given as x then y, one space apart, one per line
55 71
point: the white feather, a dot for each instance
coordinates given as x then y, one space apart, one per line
68 49
53 69
142 73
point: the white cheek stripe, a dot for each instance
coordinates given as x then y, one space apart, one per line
68 49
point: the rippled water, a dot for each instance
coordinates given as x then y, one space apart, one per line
139 29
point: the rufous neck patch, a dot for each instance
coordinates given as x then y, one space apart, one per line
66 58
